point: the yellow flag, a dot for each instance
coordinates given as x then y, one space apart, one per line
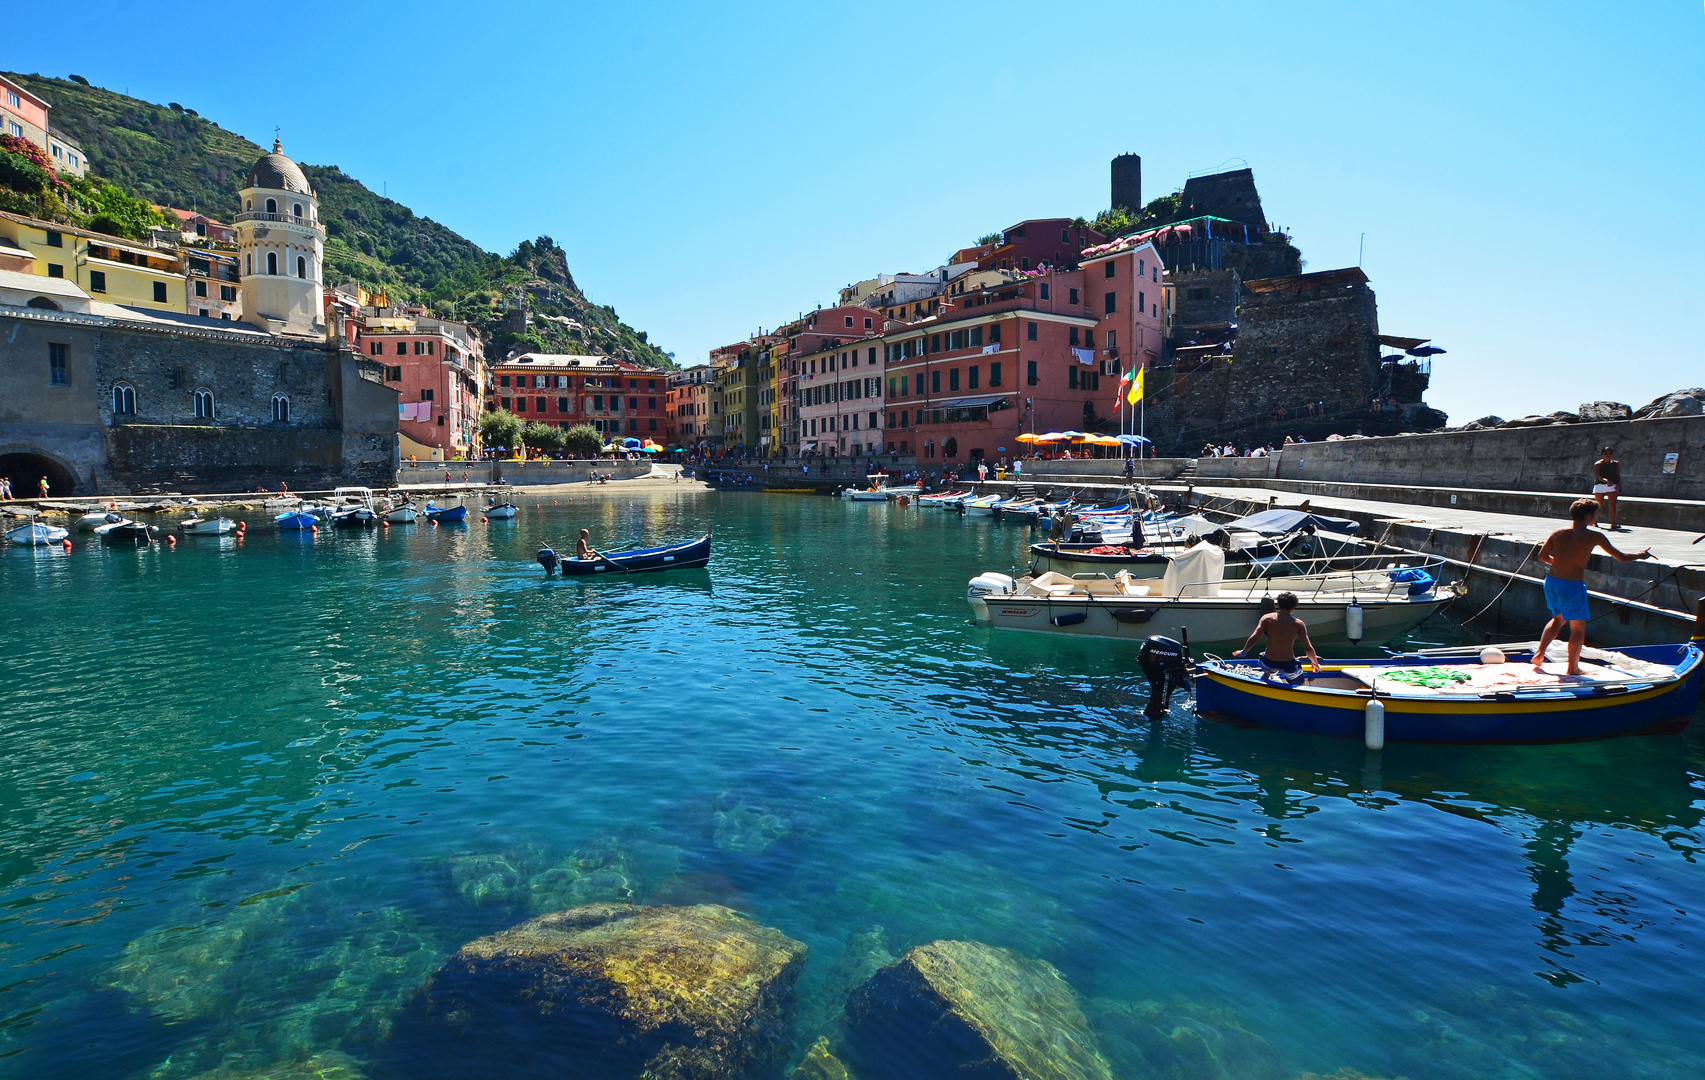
1135 393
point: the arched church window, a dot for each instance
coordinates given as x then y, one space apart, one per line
123 400
272 262
204 404
272 206
296 209
301 267
280 409
251 263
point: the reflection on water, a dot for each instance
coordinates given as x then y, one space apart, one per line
255 793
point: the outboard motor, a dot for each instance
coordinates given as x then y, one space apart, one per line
1167 668
549 560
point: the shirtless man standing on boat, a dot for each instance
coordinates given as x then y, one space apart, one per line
1283 630
1565 554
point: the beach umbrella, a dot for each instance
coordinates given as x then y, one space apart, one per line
1134 440
1054 436
1027 437
1104 440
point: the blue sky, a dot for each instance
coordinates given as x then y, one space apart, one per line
1529 177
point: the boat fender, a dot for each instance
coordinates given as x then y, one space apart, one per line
1373 724
1491 656
1070 618
1163 663
1353 623
1268 605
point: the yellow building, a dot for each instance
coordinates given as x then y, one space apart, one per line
130 272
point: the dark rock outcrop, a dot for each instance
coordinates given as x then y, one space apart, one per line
965 1009
1681 403
1605 410
609 991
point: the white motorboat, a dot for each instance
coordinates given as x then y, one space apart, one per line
983 506
406 514
36 533
499 511
198 526
1193 600
88 523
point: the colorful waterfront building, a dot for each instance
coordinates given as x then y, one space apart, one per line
619 399
691 393
835 380
438 369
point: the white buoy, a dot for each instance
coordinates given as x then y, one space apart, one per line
1353 623
1373 724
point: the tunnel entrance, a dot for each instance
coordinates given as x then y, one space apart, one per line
26 471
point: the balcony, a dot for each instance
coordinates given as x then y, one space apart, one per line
284 219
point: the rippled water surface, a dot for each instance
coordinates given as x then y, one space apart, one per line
252 794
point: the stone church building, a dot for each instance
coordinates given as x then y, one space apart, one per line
103 398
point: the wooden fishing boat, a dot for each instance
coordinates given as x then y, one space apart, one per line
1457 696
200 526
446 514
500 511
687 555
296 519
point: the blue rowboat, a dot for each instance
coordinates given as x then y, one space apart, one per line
446 513
1456 698
684 556
296 519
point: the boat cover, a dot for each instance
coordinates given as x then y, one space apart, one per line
1201 568
1280 522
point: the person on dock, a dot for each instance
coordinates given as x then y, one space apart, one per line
44 487
5 489
1283 630
1607 484
583 546
1565 554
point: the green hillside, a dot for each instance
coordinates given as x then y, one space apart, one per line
168 154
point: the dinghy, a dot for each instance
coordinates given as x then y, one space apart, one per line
36 533
197 526
687 555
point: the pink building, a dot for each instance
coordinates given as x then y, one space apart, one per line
437 367
1122 283
833 380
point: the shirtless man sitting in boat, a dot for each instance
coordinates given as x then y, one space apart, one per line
583 546
1565 554
1283 630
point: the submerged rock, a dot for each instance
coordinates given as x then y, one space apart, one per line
1345 1073
1180 1040
965 1008
820 1063
327 1066
746 827
610 990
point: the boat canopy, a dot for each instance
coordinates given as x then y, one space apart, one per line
1195 572
1280 522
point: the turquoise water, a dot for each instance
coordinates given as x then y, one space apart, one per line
251 795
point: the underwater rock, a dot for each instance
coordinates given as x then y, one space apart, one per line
486 879
1345 1073
968 1008
746 827
610 990
600 873
1181 1040
327 1066
866 953
820 1063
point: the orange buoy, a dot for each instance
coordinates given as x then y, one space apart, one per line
434 522
385 522
313 528
67 543
242 525
171 541
484 518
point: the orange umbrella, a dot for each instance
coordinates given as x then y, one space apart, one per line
1027 437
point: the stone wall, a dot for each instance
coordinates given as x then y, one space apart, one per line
1229 195
1302 343
523 473
342 418
1555 458
1205 299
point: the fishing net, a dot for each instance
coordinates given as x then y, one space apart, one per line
1431 678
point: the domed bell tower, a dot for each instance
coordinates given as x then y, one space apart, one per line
281 243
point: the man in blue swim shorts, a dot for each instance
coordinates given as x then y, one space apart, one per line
1565 554
1283 631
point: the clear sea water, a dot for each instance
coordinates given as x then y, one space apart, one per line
252 794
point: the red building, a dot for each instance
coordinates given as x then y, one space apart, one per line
437 367
618 399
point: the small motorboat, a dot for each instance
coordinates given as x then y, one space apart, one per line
88 523
37 533
128 532
943 498
1193 601
444 514
198 526
296 519
683 556
1069 559
1492 695
354 517
500 511
984 506
406 514
1019 510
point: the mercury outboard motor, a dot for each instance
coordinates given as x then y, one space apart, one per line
1167 668
548 559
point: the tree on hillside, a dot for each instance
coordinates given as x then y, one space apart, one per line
583 441
500 427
